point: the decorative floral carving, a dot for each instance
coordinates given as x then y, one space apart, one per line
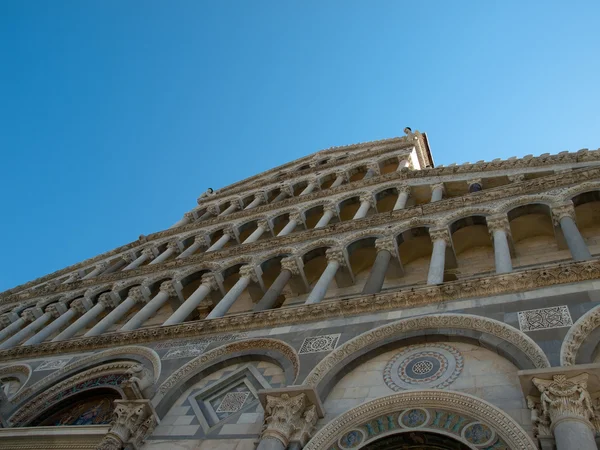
440 234
283 416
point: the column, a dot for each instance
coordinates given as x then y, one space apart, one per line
101 267
172 248
437 191
404 163
134 296
335 259
403 193
565 216
167 290
133 421
309 187
147 254
123 260
385 249
339 179
11 323
72 278
247 274
61 316
440 239
36 318
290 418
328 212
258 198
231 208
567 407
262 226
372 170
289 267
227 235
211 211
209 283
499 228
475 185
105 301
188 217
199 241
366 201
293 221
284 191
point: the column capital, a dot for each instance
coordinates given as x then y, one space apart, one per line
137 295
56 309
29 315
169 288
404 188
564 398
290 263
108 300
81 305
263 223
374 167
335 254
7 319
475 181
563 210
175 246
229 231
437 186
210 281
440 234
189 216
287 189
200 239
133 421
386 243
368 197
149 253
499 222
249 271
342 173
516 178
76 276
295 215
128 258
330 207
213 209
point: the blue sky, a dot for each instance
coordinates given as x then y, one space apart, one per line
116 115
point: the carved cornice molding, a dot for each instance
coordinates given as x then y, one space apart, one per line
409 297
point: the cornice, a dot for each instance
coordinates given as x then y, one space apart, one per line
393 217
407 297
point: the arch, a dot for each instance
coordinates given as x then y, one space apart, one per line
275 349
544 199
513 344
327 242
20 371
577 335
148 357
581 188
463 213
470 408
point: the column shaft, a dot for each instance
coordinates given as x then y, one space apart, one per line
325 218
12 328
337 182
436 265
205 216
574 434
320 289
226 302
401 200
362 210
111 318
577 247
502 252
377 275
137 262
279 197
54 326
220 243
114 267
28 330
229 210
163 256
254 203
80 323
290 226
256 234
274 291
270 443
370 174
188 306
437 193
190 250
146 312
94 272
308 189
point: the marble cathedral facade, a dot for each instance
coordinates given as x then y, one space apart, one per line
357 298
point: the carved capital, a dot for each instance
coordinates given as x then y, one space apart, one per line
130 421
149 253
108 300
283 416
475 181
167 286
541 424
262 223
440 233
330 207
213 209
565 398
73 277
342 174
374 167
335 254
128 258
295 216
189 216
403 189
210 281
305 426
110 442
229 231
56 309
136 294
81 305
287 189
496 223
29 315
175 246
561 211
368 198
249 272
437 186
290 263
387 244
6 320
200 239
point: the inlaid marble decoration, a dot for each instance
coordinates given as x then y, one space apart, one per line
425 366
53 364
233 402
194 342
544 318
186 351
317 344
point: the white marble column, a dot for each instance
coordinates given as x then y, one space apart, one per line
565 216
328 212
61 317
372 170
440 239
335 259
105 301
12 323
231 208
437 192
385 249
366 202
188 217
167 290
172 249
312 184
499 228
403 193
199 242
293 221
75 276
247 274
261 226
339 179
220 243
36 319
211 211
146 255
284 192
289 267
100 267
258 199
404 163
209 284
132 422
134 296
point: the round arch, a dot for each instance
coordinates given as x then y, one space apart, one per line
437 411
22 372
511 343
578 334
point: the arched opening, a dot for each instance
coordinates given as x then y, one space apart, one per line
386 199
472 245
414 248
272 194
271 270
587 212
416 440
361 255
388 165
348 208
327 180
190 283
357 174
299 187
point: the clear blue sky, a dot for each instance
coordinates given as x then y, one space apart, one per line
116 115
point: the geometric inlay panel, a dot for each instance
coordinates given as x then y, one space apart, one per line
544 318
317 344
53 364
233 402
425 366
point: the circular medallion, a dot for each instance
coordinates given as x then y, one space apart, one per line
413 418
423 366
352 439
478 434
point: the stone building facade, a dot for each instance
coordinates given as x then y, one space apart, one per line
359 297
